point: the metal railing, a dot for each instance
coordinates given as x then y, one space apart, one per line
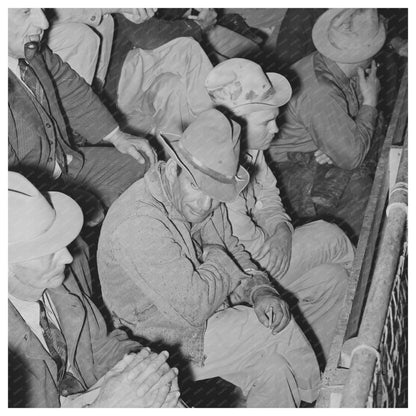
367 365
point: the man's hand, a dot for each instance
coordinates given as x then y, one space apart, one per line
322 158
272 311
138 15
138 380
132 145
275 254
207 18
369 85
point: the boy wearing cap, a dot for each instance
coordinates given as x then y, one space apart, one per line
168 264
58 342
307 263
326 140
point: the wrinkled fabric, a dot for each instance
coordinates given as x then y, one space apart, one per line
258 209
325 113
316 280
153 278
163 89
39 138
271 370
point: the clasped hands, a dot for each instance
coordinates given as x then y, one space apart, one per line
140 380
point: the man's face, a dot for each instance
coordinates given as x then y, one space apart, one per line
188 199
23 24
46 272
260 128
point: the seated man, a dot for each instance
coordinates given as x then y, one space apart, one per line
168 263
332 118
47 99
308 262
58 342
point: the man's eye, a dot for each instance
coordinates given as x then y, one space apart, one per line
26 11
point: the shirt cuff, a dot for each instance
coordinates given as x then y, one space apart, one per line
111 135
253 291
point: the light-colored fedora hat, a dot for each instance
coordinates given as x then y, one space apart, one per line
37 227
242 86
209 149
349 35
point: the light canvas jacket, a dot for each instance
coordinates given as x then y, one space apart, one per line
152 274
258 209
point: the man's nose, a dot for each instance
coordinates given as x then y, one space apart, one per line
40 19
64 257
273 128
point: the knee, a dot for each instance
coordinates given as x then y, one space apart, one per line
337 280
338 241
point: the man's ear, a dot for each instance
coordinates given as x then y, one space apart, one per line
170 170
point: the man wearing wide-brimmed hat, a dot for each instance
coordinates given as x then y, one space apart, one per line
308 263
331 119
58 342
168 262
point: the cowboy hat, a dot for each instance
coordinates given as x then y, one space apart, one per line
349 35
209 150
242 86
38 227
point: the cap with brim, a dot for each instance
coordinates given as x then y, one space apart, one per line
217 186
354 50
281 96
63 230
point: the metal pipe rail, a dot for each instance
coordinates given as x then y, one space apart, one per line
364 357
345 339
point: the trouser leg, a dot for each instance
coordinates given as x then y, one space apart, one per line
316 281
272 370
107 172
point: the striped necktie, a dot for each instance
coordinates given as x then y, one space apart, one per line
55 341
28 76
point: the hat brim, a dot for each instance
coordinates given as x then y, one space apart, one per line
351 56
281 97
65 228
217 190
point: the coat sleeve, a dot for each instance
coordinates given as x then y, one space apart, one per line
253 278
253 224
171 277
346 140
82 107
107 348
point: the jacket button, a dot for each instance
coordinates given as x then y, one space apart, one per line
50 159
48 125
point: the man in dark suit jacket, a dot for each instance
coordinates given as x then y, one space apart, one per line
48 103
59 346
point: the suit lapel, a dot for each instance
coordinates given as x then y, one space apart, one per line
21 338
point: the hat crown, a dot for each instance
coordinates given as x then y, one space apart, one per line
30 214
238 81
212 142
349 35
354 25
